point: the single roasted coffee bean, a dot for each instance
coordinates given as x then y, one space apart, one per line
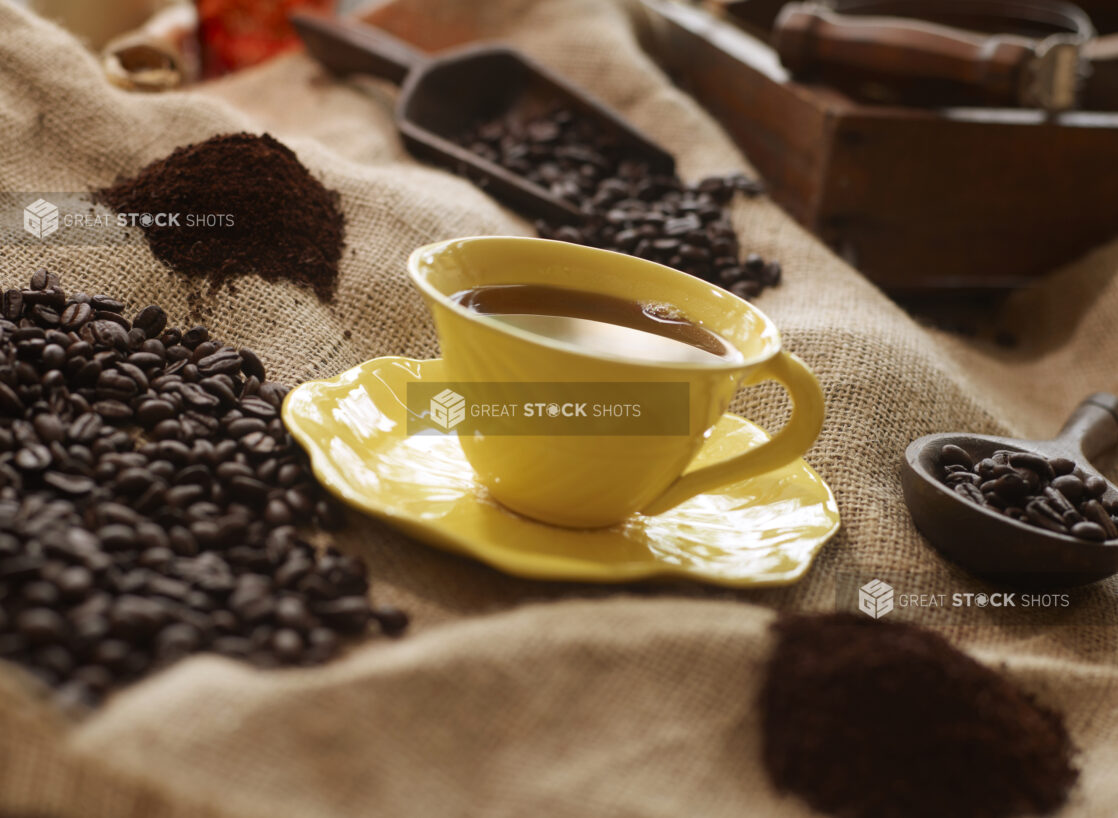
1089 531
1061 465
154 410
1044 516
85 428
287 645
75 582
1070 486
178 640
251 364
105 334
104 302
148 498
971 492
151 320
955 456
225 361
33 458
1050 493
119 320
41 626
258 408
114 411
1095 512
244 426
391 619
1033 462
69 484
278 513
1058 501
292 612
1010 486
348 613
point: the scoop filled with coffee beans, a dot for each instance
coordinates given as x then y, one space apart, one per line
1029 513
550 150
629 203
149 499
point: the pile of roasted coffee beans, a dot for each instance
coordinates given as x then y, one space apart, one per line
863 719
149 495
630 206
1049 492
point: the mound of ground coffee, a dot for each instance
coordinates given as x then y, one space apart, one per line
149 494
865 719
629 205
244 205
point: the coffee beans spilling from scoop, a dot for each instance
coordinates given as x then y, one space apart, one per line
149 495
1049 492
629 205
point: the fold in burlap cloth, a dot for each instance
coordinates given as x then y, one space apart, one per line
515 698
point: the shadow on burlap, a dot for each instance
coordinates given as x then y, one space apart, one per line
512 697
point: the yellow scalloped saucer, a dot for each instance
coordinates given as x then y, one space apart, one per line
758 532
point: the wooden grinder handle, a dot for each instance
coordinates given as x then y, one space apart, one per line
844 49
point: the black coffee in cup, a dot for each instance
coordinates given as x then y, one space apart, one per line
601 324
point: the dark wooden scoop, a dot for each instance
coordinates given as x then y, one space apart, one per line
995 546
441 97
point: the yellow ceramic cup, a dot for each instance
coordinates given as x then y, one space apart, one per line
597 480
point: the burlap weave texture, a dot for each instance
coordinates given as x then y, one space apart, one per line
513 697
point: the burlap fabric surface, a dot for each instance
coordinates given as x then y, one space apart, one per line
509 697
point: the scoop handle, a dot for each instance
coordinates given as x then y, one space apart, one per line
1093 426
349 47
903 54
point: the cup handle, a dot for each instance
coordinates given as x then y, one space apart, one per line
797 436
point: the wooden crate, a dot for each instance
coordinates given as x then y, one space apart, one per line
917 199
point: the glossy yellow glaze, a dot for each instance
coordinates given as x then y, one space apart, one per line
598 480
757 532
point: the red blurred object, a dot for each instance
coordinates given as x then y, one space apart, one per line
238 33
